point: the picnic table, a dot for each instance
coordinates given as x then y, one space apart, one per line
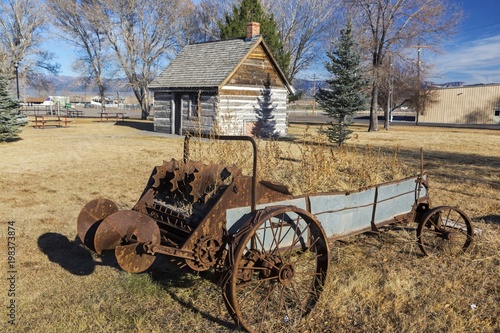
75 113
116 115
42 121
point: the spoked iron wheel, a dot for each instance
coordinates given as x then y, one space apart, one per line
279 270
444 231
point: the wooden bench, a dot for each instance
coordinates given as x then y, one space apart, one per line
75 113
117 115
54 121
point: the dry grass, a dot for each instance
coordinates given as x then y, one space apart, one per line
307 163
378 283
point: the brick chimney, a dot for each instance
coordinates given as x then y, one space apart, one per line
253 29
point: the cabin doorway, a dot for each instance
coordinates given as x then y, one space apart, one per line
178 115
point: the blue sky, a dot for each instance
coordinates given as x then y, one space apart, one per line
472 56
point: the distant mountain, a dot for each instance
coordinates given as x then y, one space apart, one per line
70 86
307 86
73 86
456 84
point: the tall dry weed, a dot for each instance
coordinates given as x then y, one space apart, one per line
308 164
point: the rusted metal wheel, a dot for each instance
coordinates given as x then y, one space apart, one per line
444 231
133 258
127 232
91 216
279 270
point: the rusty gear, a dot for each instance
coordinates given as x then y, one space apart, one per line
206 253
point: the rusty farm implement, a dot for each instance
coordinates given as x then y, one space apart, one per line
269 248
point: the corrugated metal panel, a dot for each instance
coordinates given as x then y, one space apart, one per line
347 213
341 214
464 105
395 199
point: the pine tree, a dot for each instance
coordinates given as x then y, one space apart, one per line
9 122
234 26
346 92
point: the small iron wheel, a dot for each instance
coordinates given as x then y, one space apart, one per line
126 232
280 267
91 216
444 231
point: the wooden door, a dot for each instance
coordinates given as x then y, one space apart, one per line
178 115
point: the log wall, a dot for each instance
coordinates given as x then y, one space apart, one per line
239 98
238 109
233 110
205 121
165 112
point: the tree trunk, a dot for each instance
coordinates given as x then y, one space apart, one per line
144 104
103 98
374 106
387 113
141 96
144 109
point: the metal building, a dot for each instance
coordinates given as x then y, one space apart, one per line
478 104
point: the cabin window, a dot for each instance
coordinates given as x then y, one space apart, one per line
193 105
497 113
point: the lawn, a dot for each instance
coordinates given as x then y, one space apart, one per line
378 283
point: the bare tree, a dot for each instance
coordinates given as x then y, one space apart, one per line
22 26
394 25
143 36
400 86
302 25
77 26
204 20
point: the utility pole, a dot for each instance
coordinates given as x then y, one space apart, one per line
16 66
418 106
419 86
314 95
388 114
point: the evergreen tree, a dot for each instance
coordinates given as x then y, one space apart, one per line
235 25
346 92
9 120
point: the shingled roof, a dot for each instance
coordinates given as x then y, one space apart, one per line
208 65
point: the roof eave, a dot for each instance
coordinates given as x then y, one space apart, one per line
282 75
166 88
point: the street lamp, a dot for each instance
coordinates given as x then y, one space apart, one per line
16 66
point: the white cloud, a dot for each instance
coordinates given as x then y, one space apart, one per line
477 61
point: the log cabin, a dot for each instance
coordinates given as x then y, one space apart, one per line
226 87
